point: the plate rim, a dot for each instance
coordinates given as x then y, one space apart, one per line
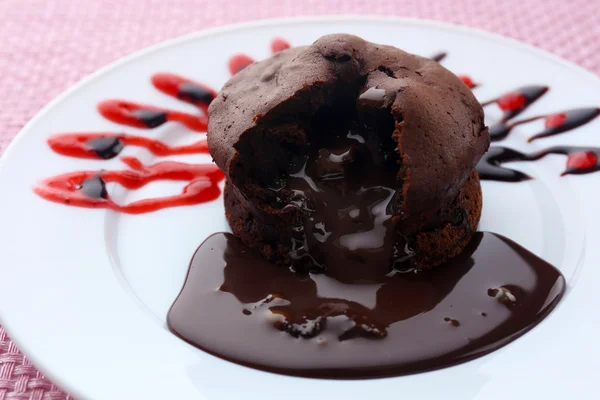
65 384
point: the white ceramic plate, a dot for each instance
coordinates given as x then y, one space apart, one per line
85 292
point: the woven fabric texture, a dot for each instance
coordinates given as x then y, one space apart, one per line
46 46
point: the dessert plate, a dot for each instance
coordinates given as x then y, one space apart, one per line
85 291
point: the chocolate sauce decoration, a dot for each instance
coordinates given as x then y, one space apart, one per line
267 317
107 145
512 104
195 94
439 56
565 121
555 123
148 117
516 101
87 188
184 89
94 187
580 160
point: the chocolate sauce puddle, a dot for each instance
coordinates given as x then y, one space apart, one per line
239 307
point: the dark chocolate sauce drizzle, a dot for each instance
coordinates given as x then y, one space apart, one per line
194 94
515 102
565 121
270 318
439 56
512 104
580 160
148 117
106 145
94 187
554 124
184 89
88 188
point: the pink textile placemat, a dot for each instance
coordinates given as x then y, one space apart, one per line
46 46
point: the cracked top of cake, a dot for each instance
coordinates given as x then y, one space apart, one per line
262 119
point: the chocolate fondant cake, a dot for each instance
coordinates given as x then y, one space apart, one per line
349 157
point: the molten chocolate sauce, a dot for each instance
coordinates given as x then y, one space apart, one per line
344 188
237 306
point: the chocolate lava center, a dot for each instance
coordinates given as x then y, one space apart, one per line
343 190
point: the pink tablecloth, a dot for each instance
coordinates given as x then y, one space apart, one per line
46 46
